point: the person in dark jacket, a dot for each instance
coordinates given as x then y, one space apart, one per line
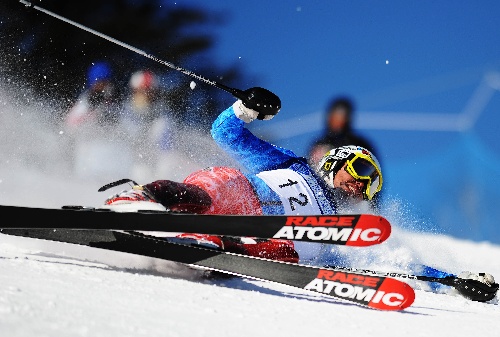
338 131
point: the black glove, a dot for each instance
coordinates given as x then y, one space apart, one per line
261 102
479 287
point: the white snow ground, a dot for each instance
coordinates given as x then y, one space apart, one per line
55 289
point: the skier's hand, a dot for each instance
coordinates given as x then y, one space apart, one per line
242 112
257 103
479 287
485 278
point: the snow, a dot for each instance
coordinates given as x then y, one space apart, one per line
55 289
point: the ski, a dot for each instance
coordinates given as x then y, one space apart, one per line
342 229
372 291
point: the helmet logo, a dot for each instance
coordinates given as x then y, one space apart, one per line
342 153
327 166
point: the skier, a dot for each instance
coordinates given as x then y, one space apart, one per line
98 104
276 182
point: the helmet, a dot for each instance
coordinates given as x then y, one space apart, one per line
143 80
99 71
361 165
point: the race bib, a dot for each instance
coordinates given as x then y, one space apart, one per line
294 192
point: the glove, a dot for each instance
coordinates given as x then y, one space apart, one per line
257 103
242 112
485 278
479 287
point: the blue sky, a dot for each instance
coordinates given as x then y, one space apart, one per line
403 57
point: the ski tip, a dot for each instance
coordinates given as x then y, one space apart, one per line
372 291
386 228
393 295
370 230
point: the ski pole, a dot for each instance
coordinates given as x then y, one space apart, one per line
469 288
267 101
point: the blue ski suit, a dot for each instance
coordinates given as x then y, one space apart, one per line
283 182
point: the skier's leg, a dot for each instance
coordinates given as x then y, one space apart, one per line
232 193
179 197
273 249
229 190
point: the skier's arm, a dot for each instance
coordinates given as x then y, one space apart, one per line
255 154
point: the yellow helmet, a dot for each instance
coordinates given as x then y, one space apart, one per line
361 165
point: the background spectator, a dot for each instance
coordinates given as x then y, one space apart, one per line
90 127
147 123
99 103
338 131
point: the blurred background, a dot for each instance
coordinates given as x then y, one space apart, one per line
424 78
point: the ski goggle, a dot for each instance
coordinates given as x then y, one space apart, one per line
362 167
